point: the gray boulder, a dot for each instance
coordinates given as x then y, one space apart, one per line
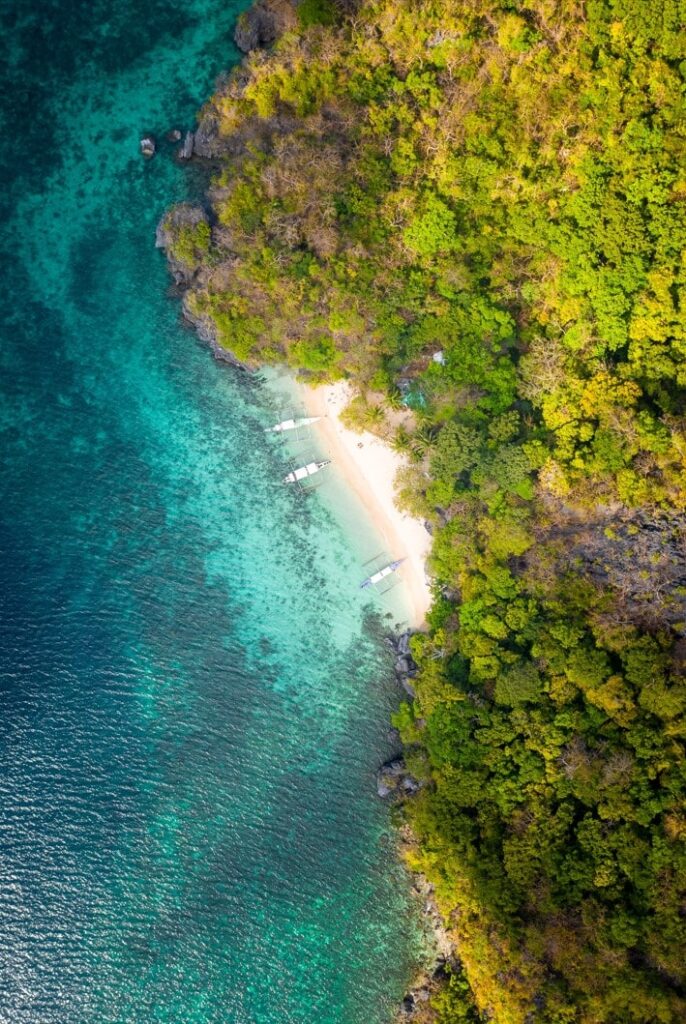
148 146
186 151
256 28
403 665
206 141
263 23
180 216
394 781
408 688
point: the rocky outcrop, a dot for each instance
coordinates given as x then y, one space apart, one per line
254 29
396 784
634 554
148 146
209 143
180 217
405 665
186 150
416 1005
206 141
263 23
394 781
257 27
207 332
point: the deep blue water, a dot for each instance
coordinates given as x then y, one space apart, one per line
194 695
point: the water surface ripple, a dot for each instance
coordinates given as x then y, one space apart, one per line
194 697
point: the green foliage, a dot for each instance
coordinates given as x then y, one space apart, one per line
432 230
518 684
318 354
454 1003
360 415
191 243
316 12
502 186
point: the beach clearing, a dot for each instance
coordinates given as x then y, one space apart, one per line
369 466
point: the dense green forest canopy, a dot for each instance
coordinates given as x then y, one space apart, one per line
503 183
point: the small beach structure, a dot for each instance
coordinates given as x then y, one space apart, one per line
303 472
381 574
292 424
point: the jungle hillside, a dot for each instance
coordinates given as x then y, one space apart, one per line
476 210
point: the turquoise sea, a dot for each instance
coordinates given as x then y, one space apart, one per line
194 694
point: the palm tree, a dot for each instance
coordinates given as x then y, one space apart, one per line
423 440
402 441
394 399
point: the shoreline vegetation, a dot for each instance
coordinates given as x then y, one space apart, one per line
470 219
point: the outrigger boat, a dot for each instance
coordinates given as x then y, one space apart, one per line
305 421
376 577
304 471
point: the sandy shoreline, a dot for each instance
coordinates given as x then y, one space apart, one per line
369 467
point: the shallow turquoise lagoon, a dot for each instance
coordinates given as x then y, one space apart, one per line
194 694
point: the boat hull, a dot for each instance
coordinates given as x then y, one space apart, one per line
304 472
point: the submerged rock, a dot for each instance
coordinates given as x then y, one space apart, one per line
174 135
148 146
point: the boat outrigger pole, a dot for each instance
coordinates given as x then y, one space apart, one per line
305 421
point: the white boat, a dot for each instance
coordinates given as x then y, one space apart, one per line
309 469
305 421
376 577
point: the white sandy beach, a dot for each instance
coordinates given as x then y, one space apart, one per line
369 467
